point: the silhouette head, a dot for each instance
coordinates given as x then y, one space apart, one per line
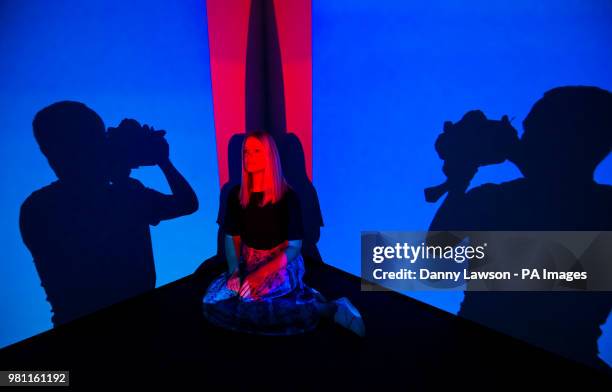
72 138
260 156
567 134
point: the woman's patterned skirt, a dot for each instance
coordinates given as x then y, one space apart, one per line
266 296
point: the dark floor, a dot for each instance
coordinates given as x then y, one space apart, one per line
161 339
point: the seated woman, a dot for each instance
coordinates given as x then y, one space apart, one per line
263 292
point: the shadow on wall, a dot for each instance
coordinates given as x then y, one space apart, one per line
567 134
88 232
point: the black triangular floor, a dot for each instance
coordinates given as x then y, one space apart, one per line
161 337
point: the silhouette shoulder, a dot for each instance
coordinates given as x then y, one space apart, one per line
489 190
33 210
39 198
147 203
131 183
484 192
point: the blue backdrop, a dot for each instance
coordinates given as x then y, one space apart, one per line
387 74
146 60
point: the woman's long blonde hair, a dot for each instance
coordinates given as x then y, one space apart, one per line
275 184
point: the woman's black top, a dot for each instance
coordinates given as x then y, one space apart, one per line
264 227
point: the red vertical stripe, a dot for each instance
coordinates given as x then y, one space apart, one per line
294 23
228 22
227 35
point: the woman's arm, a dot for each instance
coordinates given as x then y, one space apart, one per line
232 253
293 250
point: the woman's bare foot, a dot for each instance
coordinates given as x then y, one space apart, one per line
348 316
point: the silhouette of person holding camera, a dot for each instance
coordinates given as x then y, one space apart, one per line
567 134
88 231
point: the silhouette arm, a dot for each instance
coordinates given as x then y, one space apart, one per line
453 214
183 200
463 211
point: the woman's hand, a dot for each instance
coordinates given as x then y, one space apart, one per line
266 278
246 291
233 282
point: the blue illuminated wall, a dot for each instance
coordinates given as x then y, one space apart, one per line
146 60
387 74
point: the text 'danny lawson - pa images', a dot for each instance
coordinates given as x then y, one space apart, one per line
486 260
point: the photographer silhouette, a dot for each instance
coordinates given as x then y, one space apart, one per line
567 134
90 237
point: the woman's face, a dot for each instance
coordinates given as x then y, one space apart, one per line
254 155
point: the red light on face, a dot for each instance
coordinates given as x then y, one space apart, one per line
228 33
254 155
